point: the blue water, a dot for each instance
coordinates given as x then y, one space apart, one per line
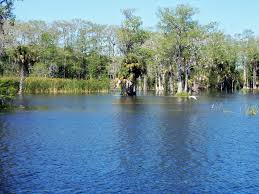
147 144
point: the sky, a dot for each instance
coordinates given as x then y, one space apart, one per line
233 16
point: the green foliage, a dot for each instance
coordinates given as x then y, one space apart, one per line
97 65
6 7
131 37
131 67
181 53
8 90
38 85
6 16
182 94
181 33
39 70
26 56
55 85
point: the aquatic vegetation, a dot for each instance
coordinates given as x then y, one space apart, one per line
245 91
182 94
251 110
38 85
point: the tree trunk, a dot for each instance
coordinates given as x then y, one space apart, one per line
186 81
195 87
140 84
128 88
163 82
171 87
22 76
179 75
1 38
156 82
179 82
254 75
159 87
1 27
159 83
145 83
245 77
64 66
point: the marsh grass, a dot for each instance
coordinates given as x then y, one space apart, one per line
182 94
38 85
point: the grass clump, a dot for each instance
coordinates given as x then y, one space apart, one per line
252 110
182 94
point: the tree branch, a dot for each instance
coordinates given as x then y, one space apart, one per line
2 1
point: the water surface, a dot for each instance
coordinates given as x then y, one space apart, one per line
147 144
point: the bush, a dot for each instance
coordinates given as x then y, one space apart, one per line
8 90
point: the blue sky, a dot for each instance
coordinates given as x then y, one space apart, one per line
233 16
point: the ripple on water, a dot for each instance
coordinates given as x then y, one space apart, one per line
106 144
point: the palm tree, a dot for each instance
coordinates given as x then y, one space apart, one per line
25 57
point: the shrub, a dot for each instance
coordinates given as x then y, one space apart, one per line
8 90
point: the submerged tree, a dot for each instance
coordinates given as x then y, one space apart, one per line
178 27
248 47
253 59
131 37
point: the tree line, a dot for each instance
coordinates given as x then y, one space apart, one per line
180 56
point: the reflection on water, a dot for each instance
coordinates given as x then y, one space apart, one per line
145 144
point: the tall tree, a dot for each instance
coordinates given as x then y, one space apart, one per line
131 37
25 57
177 25
253 58
6 14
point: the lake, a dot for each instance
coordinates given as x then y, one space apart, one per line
146 144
